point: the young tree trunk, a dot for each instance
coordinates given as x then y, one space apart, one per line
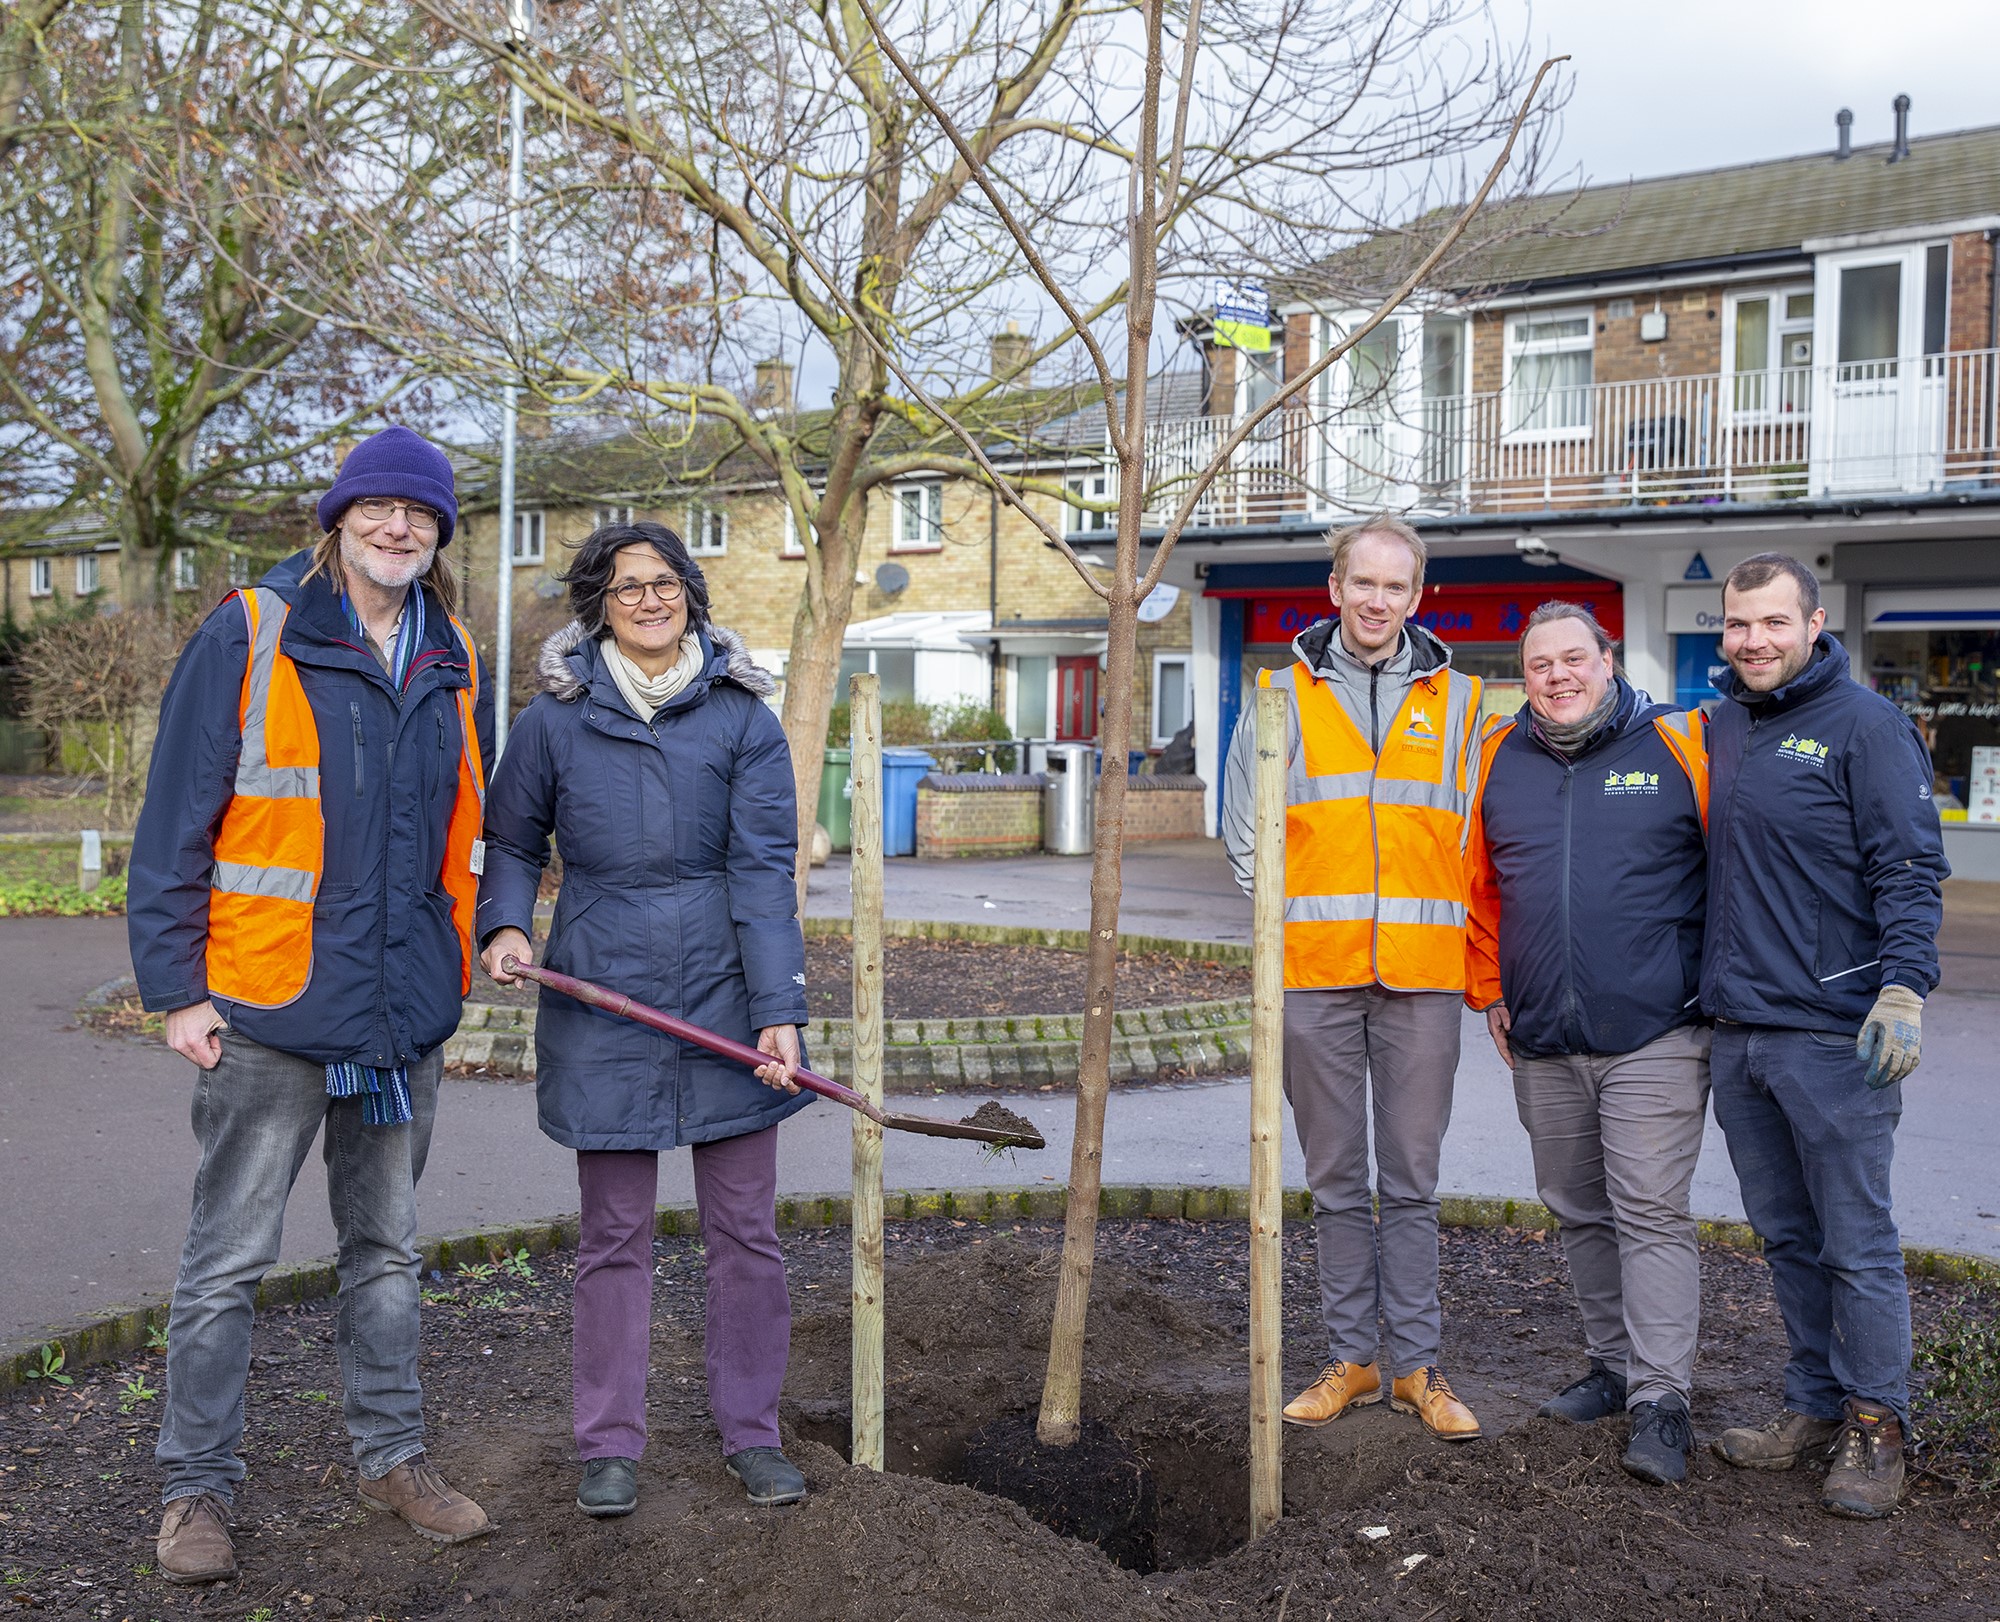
819 630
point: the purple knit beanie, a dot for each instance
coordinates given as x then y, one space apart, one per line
399 463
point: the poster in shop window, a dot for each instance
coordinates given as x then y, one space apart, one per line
1982 789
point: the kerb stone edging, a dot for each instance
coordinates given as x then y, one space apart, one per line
966 1055
124 1329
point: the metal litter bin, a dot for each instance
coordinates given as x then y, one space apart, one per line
1069 800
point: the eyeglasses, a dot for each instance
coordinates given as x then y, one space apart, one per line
668 588
422 520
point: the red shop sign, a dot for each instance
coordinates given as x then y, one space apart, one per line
1453 613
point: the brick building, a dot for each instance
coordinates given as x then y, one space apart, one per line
1650 382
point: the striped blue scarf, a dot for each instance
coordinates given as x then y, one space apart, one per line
384 1094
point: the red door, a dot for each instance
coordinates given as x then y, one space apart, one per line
1076 698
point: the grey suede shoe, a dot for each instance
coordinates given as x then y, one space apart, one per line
610 1487
767 1476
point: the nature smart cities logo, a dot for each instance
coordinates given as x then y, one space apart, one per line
1810 750
1624 783
1418 729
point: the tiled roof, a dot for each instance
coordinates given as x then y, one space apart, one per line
1745 211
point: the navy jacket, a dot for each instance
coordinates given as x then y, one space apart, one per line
677 834
1825 852
1596 867
386 971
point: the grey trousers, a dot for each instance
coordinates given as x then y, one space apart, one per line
1615 1137
1350 1055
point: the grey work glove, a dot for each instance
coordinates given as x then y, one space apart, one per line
1892 1036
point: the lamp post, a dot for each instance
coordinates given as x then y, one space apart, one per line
518 25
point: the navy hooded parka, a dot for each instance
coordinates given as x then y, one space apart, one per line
678 834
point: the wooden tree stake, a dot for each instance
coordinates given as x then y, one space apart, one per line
1267 1063
866 878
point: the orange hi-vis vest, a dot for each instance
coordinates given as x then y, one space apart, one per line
270 850
1375 889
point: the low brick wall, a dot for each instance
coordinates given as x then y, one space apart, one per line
979 814
1163 808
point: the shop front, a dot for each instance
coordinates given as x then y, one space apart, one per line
1480 621
1935 654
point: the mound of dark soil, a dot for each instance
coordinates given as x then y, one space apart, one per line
1536 1523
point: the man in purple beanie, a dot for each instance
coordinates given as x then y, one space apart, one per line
300 907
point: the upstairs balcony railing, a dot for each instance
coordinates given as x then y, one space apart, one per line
1903 425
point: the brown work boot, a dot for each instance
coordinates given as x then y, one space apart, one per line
1340 1386
1429 1396
1866 1480
1777 1444
194 1544
415 1491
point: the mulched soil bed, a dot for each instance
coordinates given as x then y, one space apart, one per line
928 979
1535 1522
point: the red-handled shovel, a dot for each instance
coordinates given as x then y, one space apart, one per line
616 1002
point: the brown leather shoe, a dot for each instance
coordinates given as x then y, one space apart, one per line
1866 1481
1340 1386
194 1544
415 1491
1777 1444
1429 1396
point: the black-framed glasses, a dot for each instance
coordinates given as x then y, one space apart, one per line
668 588
379 510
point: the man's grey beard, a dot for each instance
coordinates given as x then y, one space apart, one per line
354 555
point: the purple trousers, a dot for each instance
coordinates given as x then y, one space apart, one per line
749 1316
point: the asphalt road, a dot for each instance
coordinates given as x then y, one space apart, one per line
97 1159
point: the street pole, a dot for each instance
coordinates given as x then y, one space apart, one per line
518 20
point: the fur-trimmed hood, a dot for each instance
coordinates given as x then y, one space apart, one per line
727 651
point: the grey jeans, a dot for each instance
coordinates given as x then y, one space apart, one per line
1615 1137
1392 1055
255 1115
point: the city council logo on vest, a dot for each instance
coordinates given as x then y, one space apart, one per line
1806 749
1631 782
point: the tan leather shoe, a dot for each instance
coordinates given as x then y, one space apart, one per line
1429 1396
194 1544
1340 1386
415 1491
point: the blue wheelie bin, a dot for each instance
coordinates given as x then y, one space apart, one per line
902 770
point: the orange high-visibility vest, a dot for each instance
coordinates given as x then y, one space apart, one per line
271 847
1375 844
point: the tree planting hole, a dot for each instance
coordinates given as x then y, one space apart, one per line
1149 1502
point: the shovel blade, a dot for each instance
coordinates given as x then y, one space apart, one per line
930 1127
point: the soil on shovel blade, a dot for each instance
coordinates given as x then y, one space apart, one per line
1536 1522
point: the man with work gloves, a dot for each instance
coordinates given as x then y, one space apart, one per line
1825 860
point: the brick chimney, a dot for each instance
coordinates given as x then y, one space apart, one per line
1011 349
774 386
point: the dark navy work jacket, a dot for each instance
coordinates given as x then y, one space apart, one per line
386 970
1825 852
1600 866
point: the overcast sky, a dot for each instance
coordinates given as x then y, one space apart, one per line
1699 84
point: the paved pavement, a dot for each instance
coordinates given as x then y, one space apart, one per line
97 1160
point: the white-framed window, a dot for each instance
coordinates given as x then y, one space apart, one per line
1767 340
707 531
1089 487
1173 696
87 577
239 570
41 577
613 514
793 546
919 518
1548 373
530 537
186 573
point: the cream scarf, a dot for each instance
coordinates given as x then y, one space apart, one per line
647 693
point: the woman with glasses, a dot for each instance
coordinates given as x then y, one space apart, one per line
652 759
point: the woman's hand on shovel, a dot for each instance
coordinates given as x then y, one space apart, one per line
506 943
782 1043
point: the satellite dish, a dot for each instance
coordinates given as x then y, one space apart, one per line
1159 603
891 578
